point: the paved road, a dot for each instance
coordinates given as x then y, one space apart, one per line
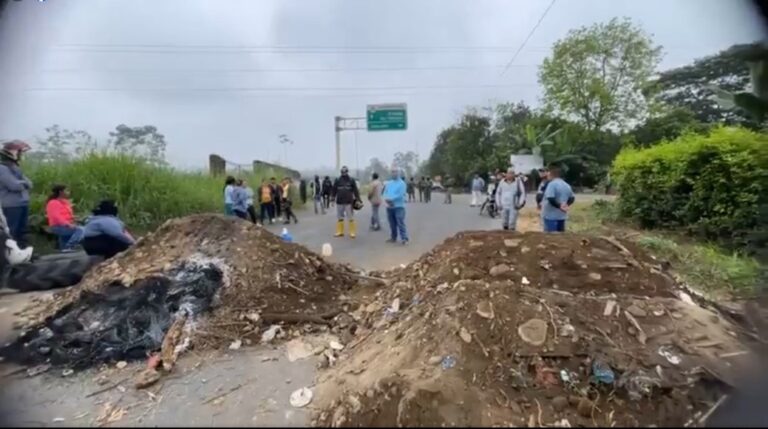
262 399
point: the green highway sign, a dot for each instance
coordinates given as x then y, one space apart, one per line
387 117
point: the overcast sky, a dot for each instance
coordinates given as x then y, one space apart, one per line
229 76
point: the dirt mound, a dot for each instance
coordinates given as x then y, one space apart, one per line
574 330
216 279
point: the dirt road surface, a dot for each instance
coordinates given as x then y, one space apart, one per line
246 387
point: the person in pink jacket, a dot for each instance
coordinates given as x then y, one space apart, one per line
61 218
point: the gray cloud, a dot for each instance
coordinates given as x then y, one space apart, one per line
174 89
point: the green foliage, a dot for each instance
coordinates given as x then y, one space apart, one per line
706 266
712 185
596 74
668 125
692 86
147 194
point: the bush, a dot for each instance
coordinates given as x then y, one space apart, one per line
712 185
146 194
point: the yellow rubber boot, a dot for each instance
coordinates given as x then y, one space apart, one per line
352 229
339 229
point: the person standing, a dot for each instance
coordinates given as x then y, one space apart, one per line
267 202
229 185
394 196
374 197
277 192
287 201
61 219
411 189
240 200
448 184
317 195
477 190
303 191
326 191
557 201
249 201
345 193
544 176
510 197
428 190
14 190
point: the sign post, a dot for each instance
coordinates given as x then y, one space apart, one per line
387 117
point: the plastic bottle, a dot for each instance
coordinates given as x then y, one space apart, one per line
286 236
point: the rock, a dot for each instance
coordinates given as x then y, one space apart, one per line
525 281
147 378
525 249
122 364
395 305
500 270
235 345
584 408
434 360
270 333
442 287
609 306
465 335
595 276
574 400
253 317
485 309
512 242
475 243
636 311
297 349
515 407
533 332
455 271
560 403
301 397
336 345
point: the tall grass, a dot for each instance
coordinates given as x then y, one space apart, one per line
147 194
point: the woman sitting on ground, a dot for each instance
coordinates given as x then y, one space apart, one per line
61 219
105 234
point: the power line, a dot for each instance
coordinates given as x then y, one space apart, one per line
280 47
265 52
276 89
530 34
287 70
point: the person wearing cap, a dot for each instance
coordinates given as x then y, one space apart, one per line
104 233
345 193
394 195
14 190
510 198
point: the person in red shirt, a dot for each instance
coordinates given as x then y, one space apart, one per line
61 219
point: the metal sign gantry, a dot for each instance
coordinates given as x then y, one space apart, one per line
346 124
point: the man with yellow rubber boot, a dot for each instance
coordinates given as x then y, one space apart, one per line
345 193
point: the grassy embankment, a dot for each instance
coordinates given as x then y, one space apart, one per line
147 195
705 266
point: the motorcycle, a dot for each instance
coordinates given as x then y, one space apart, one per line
489 207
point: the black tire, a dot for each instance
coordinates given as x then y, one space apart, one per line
55 271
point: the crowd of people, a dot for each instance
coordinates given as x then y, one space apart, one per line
506 192
275 200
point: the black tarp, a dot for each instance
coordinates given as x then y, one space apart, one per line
119 323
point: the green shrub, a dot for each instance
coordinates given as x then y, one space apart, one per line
146 194
712 185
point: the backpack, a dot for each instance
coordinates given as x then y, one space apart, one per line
266 194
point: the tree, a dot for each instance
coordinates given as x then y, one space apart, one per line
665 126
407 162
62 144
755 102
596 74
693 86
142 141
375 166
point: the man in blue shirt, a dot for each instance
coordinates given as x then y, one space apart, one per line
394 197
558 198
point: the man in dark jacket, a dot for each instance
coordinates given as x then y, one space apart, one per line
345 193
327 188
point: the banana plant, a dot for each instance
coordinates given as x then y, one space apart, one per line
532 140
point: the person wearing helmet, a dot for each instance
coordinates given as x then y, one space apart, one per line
345 194
14 190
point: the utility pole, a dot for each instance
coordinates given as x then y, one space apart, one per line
346 124
285 141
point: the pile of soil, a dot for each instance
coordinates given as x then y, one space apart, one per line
492 328
218 279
